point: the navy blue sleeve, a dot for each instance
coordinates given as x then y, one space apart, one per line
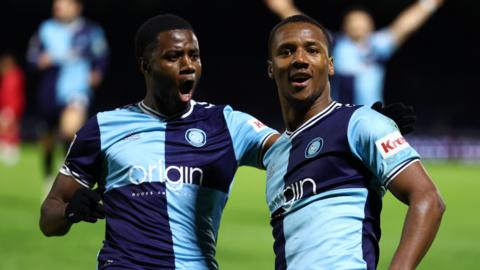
84 158
99 49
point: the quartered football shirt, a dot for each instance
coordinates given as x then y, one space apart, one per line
166 180
325 181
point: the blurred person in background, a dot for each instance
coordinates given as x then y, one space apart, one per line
360 52
12 101
71 54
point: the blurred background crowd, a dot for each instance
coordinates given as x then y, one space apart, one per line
434 69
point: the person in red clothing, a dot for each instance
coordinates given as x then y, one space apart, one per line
12 100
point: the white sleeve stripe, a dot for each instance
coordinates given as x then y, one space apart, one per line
263 142
66 171
398 170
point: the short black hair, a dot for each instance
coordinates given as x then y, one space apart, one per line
147 33
300 18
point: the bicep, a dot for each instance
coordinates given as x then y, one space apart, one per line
64 188
268 143
412 181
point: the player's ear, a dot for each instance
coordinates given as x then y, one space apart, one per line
331 69
269 69
144 66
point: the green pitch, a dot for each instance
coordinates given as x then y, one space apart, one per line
245 240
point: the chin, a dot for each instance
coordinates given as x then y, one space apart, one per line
303 98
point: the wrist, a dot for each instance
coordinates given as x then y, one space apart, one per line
400 267
401 263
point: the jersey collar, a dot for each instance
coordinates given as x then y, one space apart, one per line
146 109
313 120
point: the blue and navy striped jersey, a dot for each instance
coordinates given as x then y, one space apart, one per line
166 180
325 182
75 49
360 70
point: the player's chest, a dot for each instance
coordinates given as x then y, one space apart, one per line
189 144
306 163
188 154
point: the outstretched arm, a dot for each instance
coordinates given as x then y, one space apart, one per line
283 8
413 18
415 188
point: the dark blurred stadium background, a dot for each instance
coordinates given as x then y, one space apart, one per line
435 71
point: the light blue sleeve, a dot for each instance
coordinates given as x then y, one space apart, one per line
383 44
248 136
377 142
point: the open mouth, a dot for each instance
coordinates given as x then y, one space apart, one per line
186 90
300 79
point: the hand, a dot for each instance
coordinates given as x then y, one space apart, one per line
283 8
404 116
95 78
85 206
44 61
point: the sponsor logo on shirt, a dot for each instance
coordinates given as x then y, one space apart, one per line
196 137
391 144
257 125
174 176
293 193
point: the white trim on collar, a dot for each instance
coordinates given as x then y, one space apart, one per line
146 109
313 120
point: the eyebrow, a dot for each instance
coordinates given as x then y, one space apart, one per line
181 48
307 43
317 43
313 42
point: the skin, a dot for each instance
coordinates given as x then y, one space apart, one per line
358 25
172 71
413 186
66 10
73 116
300 56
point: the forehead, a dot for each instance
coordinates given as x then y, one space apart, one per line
358 15
177 39
69 2
299 32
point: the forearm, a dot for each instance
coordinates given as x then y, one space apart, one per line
52 218
420 227
413 18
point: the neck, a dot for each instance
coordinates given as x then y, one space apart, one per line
359 40
68 21
295 115
165 106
